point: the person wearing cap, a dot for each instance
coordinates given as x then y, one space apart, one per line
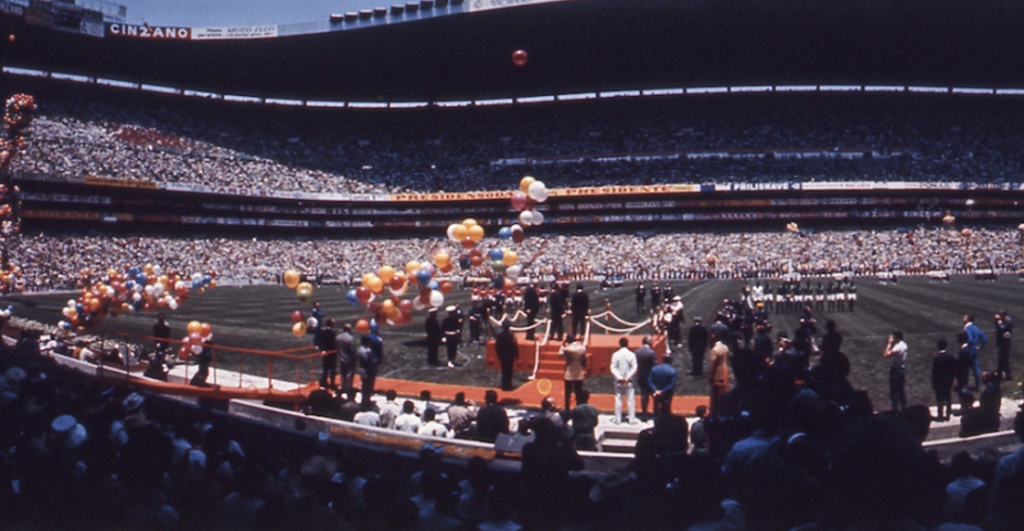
678 317
452 327
432 327
68 434
507 349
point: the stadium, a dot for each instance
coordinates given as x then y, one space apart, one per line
774 165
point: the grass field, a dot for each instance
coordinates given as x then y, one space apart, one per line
258 317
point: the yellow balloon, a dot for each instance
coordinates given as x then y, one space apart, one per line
376 284
194 327
304 293
544 386
476 233
509 257
385 273
442 259
299 329
291 278
460 232
524 184
411 267
469 222
368 279
388 305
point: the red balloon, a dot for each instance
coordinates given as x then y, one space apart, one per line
297 316
476 260
519 57
518 235
362 326
468 243
519 201
363 295
405 306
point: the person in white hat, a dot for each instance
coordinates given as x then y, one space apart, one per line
68 434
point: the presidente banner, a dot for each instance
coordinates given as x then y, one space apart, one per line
233 32
119 183
145 31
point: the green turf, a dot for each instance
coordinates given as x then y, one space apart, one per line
258 317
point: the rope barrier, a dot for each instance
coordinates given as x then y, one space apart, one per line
618 330
619 319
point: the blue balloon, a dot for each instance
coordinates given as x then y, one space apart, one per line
133 271
496 254
433 284
505 233
498 282
464 262
207 279
423 277
196 284
351 297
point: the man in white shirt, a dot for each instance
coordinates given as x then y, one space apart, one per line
390 410
408 421
367 416
623 368
431 426
896 351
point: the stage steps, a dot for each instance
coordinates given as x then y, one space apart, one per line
619 438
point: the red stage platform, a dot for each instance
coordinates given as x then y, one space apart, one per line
552 366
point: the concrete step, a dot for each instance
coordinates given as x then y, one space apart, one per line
629 433
618 446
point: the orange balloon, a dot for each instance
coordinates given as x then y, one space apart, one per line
299 329
194 327
411 267
476 233
376 284
509 257
367 280
524 184
206 329
469 222
442 259
388 306
386 273
363 326
444 287
291 278
460 232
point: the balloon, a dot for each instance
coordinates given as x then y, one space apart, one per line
538 217
193 327
196 349
362 326
538 192
363 295
206 330
417 304
388 306
518 234
386 273
496 254
448 268
312 322
792 227
505 233
526 218
376 284
352 297
299 329
519 57
464 262
397 282
445 287
195 338
433 284
468 243
513 272
476 260
411 267
476 233
423 276
400 291
405 305
510 257
518 200
304 294
436 298
297 316
291 278
460 232
965 232
442 259
451 232
469 222
525 182
498 266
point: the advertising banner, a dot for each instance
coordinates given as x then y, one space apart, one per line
145 31
234 32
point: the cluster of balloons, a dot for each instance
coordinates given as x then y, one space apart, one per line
196 333
300 324
467 233
386 306
137 289
530 193
303 290
8 276
504 264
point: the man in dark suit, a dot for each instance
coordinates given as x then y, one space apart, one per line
507 349
646 359
434 336
655 296
162 332
1004 331
531 305
491 420
641 294
580 307
697 344
452 327
556 305
944 368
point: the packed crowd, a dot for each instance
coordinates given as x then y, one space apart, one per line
777 456
972 139
59 260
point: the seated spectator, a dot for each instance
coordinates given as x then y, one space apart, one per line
1006 513
367 416
461 415
492 419
408 422
431 427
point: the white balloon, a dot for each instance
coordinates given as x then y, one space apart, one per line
148 290
196 349
400 292
516 227
538 192
138 288
157 270
513 272
67 312
451 232
436 298
73 304
538 218
312 322
136 297
526 218
172 304
417 304
158 289
197 276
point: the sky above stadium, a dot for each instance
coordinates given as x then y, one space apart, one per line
237 12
